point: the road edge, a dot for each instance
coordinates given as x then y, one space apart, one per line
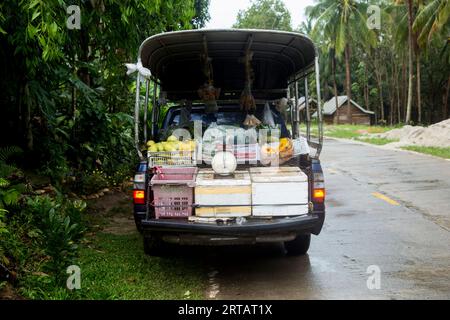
386 147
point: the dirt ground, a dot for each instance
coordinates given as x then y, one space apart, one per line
117 208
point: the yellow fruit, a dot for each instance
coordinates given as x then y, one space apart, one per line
184 146
150 143
285 144
169 146
172 138
160 146
153 148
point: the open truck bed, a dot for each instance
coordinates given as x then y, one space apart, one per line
264 208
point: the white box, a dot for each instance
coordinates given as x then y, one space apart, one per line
223 196
279 191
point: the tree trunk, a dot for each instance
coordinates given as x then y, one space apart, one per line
419 98
397 89
74 90
84 44
380 90
333 69
348 88
403 94
366 88
27 119
445 104
410 63
392 94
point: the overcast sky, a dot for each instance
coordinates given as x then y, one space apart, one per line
223 12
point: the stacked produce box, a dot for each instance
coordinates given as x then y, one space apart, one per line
279 191
218 196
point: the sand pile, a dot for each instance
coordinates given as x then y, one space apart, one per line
436 135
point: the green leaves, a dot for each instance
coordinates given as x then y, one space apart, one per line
430 20
265 14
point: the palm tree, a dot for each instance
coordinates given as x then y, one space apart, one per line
338 20
410 60
430 20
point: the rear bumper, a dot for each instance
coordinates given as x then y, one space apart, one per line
252 227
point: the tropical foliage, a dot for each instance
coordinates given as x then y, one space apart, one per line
265 14
66 103
399 69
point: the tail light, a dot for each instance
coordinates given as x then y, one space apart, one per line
318 192
319 195
139 196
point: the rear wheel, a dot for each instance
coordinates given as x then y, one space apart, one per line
298 246
154 246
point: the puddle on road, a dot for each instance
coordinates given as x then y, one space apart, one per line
321 265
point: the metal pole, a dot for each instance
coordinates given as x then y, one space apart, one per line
308 112
147 84
154 111
290 106
296 116
319 107
136 115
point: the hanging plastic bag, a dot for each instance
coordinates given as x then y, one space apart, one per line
268 116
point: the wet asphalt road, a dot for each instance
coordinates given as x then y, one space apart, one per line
385 208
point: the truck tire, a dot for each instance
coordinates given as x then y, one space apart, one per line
154 246
298 246
137 221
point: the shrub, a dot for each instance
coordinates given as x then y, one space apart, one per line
60 224
93 182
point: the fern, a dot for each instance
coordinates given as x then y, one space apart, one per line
3 183
7 152
7 170
9 194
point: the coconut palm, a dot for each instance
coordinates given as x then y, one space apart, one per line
430 20
341 22
408 18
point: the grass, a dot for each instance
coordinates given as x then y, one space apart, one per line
359 132
346 131
434 151
355 132
377 141
114 266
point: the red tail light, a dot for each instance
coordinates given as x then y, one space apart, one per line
139 196
319 194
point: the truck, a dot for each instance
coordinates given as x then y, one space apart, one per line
200 80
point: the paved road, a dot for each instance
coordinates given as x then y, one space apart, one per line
385 208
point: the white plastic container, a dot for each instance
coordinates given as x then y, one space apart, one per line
222 197
279 191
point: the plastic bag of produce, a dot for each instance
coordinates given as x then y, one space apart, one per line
268 116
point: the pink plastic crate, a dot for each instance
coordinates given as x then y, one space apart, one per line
173 192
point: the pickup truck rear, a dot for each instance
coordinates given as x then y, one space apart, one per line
252 206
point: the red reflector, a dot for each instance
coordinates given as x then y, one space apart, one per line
139 196
319 194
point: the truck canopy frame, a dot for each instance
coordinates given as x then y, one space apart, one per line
280 60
